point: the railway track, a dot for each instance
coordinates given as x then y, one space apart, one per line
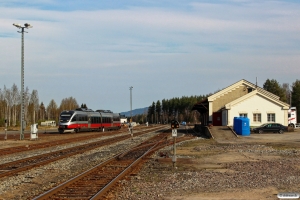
22 148
96 182
12 168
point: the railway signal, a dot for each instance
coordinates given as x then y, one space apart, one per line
174 126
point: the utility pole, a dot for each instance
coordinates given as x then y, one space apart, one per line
22 127
131 127
290 95
130 88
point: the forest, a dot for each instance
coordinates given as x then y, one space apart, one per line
180 108
161 111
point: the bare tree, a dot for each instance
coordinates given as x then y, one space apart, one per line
52 110
34 100
287 92
15 100
8 99
26 103
2 106
68 104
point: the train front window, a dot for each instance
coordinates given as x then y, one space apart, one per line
65 116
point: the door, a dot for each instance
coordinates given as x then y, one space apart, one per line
217 118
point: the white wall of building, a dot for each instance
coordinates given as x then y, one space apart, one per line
48 123
257 104
123 120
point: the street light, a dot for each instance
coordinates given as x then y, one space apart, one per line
130 88
130 125
26 25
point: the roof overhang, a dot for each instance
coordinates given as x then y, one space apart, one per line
202 106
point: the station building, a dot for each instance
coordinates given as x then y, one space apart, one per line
242 99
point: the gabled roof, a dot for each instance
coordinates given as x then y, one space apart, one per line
203 105
257 92
242 83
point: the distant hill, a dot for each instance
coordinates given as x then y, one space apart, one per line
138 111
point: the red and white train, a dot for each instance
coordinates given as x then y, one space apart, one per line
82 119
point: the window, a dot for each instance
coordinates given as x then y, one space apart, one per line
256 117
74 118
243 115
271 117
95 120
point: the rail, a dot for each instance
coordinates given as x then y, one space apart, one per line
94 183
12 168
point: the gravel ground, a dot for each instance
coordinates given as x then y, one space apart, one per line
241 169
159 180
29 184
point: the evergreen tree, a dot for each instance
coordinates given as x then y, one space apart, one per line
158 111
274 87
52 111
296 97
165 109
151 112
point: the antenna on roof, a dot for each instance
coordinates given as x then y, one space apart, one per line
256 82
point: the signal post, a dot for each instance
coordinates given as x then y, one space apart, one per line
174 126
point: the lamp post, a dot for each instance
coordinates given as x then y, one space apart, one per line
131 127
130 88
26 25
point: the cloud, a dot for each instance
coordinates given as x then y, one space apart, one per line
147 43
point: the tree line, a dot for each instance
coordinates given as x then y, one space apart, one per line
159 112
288 94
180 108
34 111
175 108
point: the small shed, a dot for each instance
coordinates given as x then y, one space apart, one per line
48 123
123 120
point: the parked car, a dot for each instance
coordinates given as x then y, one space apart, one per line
270 127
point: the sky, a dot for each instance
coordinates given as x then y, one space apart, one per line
94 51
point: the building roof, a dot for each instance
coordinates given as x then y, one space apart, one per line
256 92
203 105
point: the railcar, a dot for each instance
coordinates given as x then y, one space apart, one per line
88 120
